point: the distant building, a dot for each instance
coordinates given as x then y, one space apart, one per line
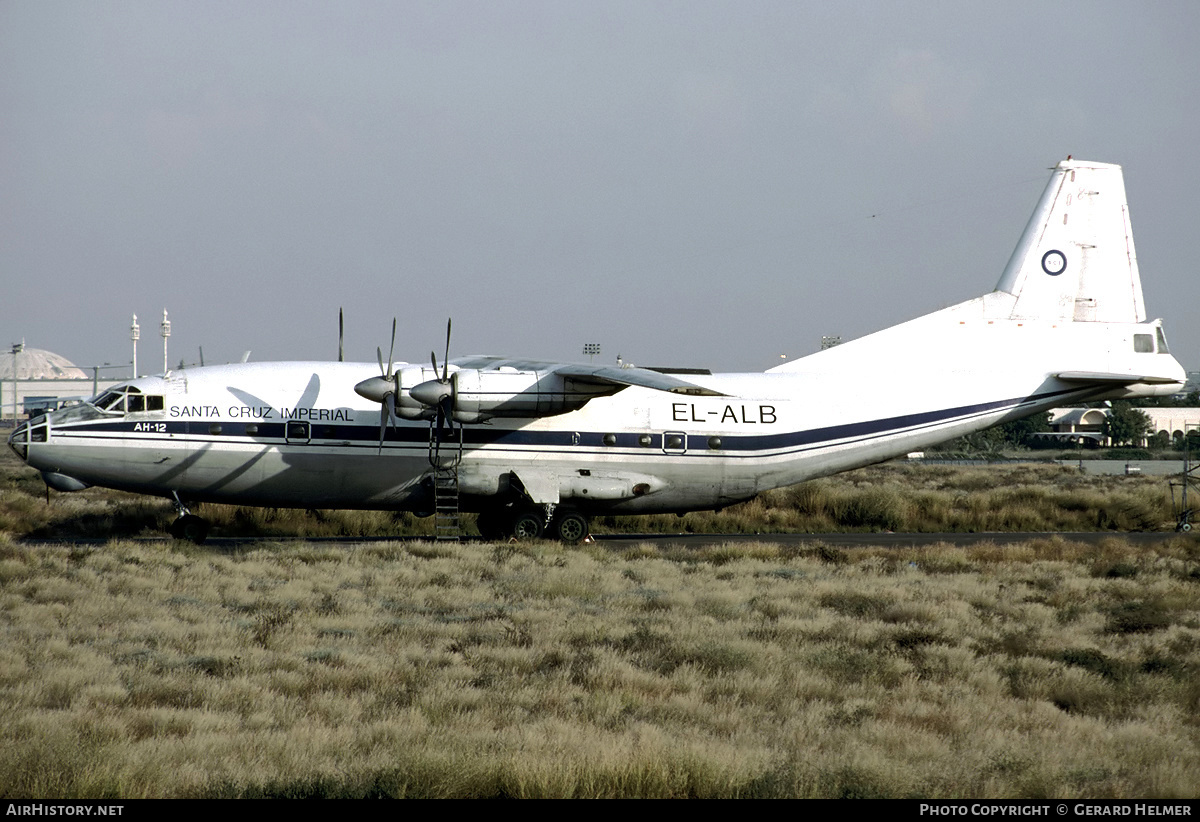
1173 422
1086 425
1076 426
43 380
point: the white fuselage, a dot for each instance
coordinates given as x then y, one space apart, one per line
296 433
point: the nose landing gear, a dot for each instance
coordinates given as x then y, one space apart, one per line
188 526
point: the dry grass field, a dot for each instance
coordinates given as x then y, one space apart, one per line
412 669
892 497
1048 669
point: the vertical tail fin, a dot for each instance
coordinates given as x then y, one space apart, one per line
1075 261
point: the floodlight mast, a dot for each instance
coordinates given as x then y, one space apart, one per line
17 348
135 333
165 328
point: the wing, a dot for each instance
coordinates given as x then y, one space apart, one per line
480 388
641 377
597 375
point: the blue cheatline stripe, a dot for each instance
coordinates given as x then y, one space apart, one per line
475 436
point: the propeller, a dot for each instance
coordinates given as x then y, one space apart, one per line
341 337
383 389
387 373
438 392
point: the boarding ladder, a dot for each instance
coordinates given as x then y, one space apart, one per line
445 455
1185 511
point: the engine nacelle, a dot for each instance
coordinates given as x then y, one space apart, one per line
476 395
406 379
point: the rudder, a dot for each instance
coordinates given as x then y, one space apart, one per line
1075 260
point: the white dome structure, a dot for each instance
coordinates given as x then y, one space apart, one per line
37 364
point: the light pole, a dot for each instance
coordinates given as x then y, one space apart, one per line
591 349
166 332
134 334
17 348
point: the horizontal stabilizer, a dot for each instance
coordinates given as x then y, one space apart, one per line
1113 379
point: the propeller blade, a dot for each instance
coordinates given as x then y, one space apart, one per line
379 357
382 425
443 413
446 359
341 336
392 349
387 414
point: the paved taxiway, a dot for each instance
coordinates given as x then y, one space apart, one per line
619 541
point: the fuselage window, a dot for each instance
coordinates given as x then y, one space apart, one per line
1143 344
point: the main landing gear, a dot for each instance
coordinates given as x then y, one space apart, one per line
188 526
531 522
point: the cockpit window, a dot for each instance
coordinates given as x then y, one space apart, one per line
110 401
127 398
144 402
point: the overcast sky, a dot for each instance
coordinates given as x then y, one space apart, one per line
694 183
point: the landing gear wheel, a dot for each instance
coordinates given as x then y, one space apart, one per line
570 528
527 525
190 527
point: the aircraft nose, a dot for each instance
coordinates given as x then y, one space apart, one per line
375 388
18 440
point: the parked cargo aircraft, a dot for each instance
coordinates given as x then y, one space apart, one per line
538 447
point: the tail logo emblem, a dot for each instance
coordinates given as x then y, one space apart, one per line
1054 262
